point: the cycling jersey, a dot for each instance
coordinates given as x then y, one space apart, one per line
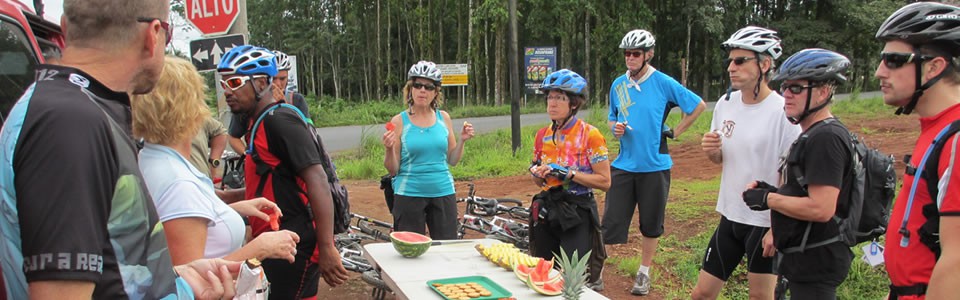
644 107
577 146
914 264
75 204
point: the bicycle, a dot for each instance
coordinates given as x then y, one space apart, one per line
350 245
509 230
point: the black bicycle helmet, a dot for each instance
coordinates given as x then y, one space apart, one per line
924 23
814 64
817 66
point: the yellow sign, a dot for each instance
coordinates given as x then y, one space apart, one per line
454 74
455 80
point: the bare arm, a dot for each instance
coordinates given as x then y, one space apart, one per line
945 278
600 179
454 145
321 205
237 144
217 145
231 196
391 143
61 289
186 238
819 206
688 120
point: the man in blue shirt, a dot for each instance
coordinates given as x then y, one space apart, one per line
640 101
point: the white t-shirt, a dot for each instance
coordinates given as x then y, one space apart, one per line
754 138
179 190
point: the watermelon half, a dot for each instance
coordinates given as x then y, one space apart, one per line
410 244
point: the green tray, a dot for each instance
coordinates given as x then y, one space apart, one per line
496 291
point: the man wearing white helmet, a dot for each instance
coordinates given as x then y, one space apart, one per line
639 103
746 155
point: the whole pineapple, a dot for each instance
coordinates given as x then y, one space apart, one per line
573 270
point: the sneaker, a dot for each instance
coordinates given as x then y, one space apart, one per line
641 286
596 286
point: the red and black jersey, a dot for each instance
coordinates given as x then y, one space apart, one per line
284 144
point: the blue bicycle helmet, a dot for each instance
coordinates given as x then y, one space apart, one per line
564 80
248 60
814 64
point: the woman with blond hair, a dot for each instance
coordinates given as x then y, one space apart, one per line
419 149
197 223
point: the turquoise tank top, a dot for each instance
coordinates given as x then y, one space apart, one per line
423 160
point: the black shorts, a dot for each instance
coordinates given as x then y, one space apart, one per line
419 213
547 238
730 242
292 281
645 191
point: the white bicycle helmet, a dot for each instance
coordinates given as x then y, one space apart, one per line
283 61
425 69
638 39
756 39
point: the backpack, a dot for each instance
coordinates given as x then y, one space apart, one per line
341 202
929 164
872 188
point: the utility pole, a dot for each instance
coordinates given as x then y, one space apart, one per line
514 79
239 27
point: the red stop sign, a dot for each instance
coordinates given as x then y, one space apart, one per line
213 17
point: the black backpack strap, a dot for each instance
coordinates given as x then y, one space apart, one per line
929 232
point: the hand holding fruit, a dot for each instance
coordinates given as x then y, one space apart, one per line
390 137
277 244
467 132
257 207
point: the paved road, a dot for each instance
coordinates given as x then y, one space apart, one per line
348 137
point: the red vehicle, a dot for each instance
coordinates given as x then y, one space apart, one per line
26 40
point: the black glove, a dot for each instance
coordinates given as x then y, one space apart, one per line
756 198
766 186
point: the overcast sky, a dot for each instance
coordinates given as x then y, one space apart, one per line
52 9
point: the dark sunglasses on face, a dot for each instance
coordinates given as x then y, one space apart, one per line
427 86
895 60
795 89
632 53
235 83
737 60
163 24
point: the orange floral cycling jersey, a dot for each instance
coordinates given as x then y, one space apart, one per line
577 146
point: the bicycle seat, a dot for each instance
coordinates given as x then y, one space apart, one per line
485 206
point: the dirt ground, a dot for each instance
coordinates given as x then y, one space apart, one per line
892 135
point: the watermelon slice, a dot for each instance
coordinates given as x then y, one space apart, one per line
522 272
389 126
547 288
275 220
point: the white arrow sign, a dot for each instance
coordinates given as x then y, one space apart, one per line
201 55
216 52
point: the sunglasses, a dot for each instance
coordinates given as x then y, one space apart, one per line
235 83
557 98
427 86
795 89
163 24
633 53
737 60
895 60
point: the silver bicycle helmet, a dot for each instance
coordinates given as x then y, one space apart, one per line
283 61
638 39
756 39
425 69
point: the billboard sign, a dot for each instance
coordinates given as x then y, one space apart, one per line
537 62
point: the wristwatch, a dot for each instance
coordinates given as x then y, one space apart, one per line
214 162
